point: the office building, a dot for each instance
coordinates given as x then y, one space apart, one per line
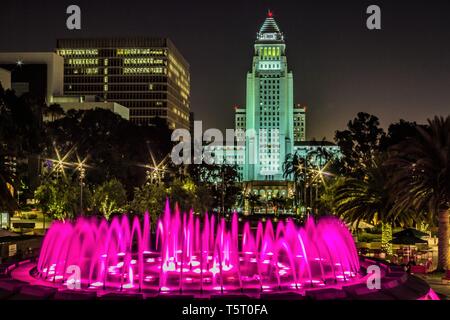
149 76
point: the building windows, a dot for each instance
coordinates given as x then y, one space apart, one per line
82 61
143 70
78 52
140 61
139 51
136 77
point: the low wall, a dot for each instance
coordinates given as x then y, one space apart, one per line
19 248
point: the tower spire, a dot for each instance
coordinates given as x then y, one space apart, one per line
269 31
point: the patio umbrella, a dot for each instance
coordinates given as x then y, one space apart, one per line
410 232
408 240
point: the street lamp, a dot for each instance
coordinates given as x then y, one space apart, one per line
155 171
223 191
60 162
81 167
82 172
155 174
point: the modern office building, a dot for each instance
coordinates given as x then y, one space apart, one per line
147 75
37 73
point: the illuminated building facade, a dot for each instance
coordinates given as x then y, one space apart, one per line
299 124
270 110
270 126
147 75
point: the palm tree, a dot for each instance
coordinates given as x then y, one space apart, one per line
369 199
55 111
422 177
296 167
253 201
279 202
320 155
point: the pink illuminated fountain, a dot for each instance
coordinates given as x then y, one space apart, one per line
201 254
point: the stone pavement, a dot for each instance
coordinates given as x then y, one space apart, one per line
435 282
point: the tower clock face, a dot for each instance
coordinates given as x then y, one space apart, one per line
269 36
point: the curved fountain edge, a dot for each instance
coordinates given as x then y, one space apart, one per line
395 285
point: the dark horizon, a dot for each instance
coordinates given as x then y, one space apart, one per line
339 67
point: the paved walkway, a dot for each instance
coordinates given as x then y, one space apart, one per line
435 283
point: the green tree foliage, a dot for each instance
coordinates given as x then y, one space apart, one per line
279 203
254 200
359 144
370 199
310 174
20 136
109 197
296 167
184 193
326 203
151 198
422 177
219 180
116 147
60 198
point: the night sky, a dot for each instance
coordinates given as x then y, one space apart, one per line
340 67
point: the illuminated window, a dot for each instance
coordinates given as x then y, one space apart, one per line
143 70
77 52
89 71
83 61
139 51
139 61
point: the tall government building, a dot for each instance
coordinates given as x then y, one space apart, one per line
270 111
147 75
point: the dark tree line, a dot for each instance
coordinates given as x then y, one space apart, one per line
401 177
